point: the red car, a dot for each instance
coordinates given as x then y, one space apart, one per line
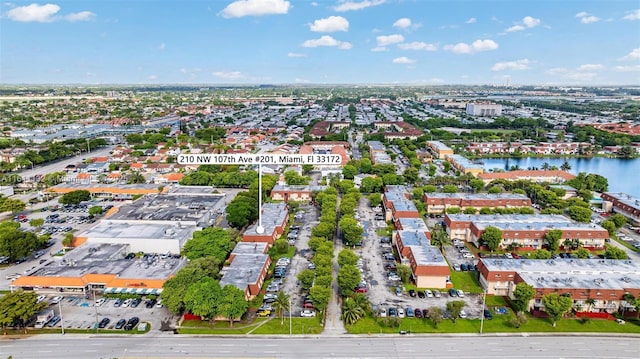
515 255
361 290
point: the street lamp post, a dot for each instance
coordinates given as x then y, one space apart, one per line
290 327
61 318
95 307
484 297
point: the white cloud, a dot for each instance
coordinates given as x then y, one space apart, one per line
162 46
330 24
472 20
530 22
313 3
296 54
629 68
152 77
379 49
590 67
586 18
633 55
633 15
384 40
241 8
402 23
46 13
328 41
301 81
353 5
403 60
522 64
527 22
228 75
476 46
515 28
418 45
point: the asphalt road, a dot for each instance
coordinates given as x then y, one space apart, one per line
441 347
60 165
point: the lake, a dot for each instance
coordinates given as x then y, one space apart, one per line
623 174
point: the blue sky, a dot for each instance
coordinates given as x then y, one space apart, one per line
568 42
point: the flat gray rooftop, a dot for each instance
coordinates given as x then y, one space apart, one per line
244 270
413 224
193 190
400 202
169 207
423 252
563 266
301 188
376 146
464 162
439 145
477 196
243 248
273 215
108 259
532 226
509 218
88 187
629 200
138 230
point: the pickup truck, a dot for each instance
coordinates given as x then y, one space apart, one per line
43 317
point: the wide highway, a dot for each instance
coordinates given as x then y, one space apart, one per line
441 347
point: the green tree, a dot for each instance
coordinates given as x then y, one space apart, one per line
351 231
552 237
411 175
492 237
242 210
582 253
11 205
95 210
612 252
292 178
540 254
15 243
281 246
75 197
455 307
36 222
232 303
323 229
371 185
201 298
430 189
351 311
470 210
67 239
519 320
522 294
306 169
211 241
618 219
175 288
610 227
281 305
349 171
556 306
306 278
450 188
476 184
579 214
320 297
435 314
347 257
136 178
375 199
17 307
348 278
494 189
404 272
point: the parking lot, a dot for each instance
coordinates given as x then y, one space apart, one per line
382 290
79 312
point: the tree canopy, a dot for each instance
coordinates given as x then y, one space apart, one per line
211 241
492 237
75 197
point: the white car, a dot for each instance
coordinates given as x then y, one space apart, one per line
159 303
126 303
428 293
400 313
394 278
100 301
468 256
41 298
460 293
463 314
382 313
308 313
56 300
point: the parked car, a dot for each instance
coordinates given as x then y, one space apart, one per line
398 291
100 301
150 303
117 303
436 293
126 303
56 299
55 320
104 322
135 302
418 313
120 324
409 312
487 314
131 323
308 313
428 293
453 292
382 313
425 313
462 314
460 293
392 312
421 295
401 313
412 293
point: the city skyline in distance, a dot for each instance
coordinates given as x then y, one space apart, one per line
375 42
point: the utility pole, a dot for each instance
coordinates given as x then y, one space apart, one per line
290 327
96 309
484 297
61 318
88 147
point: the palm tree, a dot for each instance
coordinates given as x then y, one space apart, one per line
281 304
565 166
545 166
362 301
351 312
590 303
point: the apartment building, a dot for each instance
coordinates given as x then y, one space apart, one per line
438 203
